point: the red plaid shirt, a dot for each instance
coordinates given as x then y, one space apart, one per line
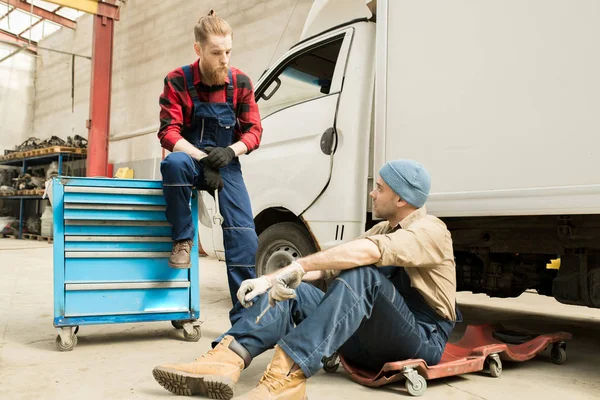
176 107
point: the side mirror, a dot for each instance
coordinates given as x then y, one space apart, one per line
325 86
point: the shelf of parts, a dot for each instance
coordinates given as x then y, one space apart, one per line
43 159
27 162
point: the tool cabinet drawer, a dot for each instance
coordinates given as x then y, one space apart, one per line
84 268
126 298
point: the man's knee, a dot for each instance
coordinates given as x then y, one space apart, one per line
361 275
177 168
309 291
360 279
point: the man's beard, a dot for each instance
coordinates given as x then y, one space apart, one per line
214 76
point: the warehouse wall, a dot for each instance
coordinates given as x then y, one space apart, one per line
152 38
62 86
16 96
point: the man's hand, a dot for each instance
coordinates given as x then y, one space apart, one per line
212 178
291 275
218 157
285 282
250 288
280 292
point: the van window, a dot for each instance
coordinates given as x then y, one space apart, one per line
305 77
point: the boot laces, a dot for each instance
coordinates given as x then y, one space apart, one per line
206 355
183 245
274 380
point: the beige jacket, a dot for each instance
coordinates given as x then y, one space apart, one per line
423 245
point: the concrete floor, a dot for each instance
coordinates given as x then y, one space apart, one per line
115 361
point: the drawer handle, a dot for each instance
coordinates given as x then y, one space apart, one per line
121 239
116 254
126 285
105 190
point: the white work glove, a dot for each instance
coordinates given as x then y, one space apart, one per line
285 282
250 288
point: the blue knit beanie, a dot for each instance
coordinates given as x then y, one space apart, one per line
409 179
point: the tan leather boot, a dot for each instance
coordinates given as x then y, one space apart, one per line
278 381
213 375
180 255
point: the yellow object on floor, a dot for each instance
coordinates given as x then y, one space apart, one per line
124 173
553 264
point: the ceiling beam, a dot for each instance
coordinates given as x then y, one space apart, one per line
39 21
34 24
9 38
40 12
105 8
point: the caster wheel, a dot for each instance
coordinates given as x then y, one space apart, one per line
194 337
558 355
495 367
331 364
417 388
64 347
177 324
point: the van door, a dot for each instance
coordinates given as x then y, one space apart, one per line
298 102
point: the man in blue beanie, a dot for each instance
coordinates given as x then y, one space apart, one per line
392 298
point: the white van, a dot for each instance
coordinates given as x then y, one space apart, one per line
500 100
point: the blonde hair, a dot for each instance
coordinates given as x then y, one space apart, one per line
211 25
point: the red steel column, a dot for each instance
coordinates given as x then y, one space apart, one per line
100 88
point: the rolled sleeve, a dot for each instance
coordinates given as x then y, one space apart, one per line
169 138
410 248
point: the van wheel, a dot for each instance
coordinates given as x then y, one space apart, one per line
280 244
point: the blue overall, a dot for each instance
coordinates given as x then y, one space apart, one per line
369 315
212 125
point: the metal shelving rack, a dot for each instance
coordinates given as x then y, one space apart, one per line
32 161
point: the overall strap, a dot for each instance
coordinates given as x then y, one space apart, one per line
189 81
459 316
230 89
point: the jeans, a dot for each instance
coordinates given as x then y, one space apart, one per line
363 316
180 173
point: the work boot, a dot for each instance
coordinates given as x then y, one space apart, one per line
180 255
213 375
283 380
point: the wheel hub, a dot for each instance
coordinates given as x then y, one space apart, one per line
281 256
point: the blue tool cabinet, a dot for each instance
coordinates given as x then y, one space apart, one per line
111 248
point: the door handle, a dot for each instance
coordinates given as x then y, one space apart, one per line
328 141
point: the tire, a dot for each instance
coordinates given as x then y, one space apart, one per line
495 367
331 364
418 388
64 347
280 244
194 337
558 355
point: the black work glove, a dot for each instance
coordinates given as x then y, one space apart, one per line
212 178
218 157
